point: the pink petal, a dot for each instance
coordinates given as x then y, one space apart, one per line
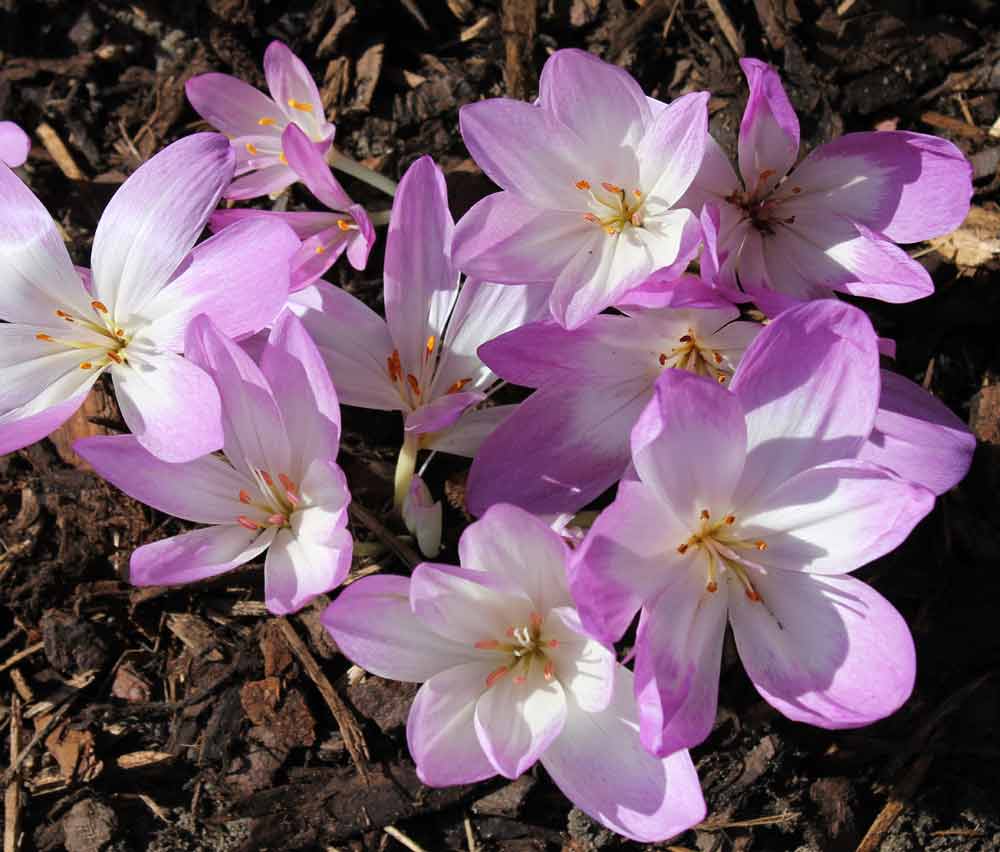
14 144
196 555
466 436
423 517
205 491
584 666
17 432
809 385
442 412
769 131
309 164
441 730
297 570
518 717
289 80
374 627
305 224
714 181
270 180
600 765
813 643
238 278
153 220
690 443
230 105
170 404
672 149
917 437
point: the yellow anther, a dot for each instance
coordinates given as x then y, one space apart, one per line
582 184
730 519
343 224
431 343
45 337
721 380
612 188
302 106
266 122
114 356
320 249
119 332
413 383
251 149
637 193
99 306
760 545
283 158
457 386
712 586
86 365
64 315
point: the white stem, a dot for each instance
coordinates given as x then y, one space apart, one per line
406 464
379 217
352 167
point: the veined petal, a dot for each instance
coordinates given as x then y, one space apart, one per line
38 276
917 437
238 278
442 412
196 555
585 286
441 728
170 404
560 449
270 180
809 385
518 717
230 105
310 165
837 517
295 92
584 666
503 238
421 284
690 443
811 645
354 342
373 625
769 131
24 426
600 765
153 220
305 224
14 144
466 435
714 181
205 491
672 148
298 569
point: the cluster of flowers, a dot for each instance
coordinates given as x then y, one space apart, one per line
759 463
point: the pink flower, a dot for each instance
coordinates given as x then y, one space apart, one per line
832 221
325 235
510 678
421 359
255 122
591 176
14 144
751 506
276 487
129 315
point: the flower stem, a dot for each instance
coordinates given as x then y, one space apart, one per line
406 464
339 160
379 217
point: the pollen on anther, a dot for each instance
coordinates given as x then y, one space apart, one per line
287 483
582 184
64 315
712 587
266 122
114 356
495 675
590 217
283 159
686 338
458 385
431 343
552 643
320 249
41 336
663 359
487 644
302 106
99 306
86 365
276 518
411 380
248 524
266 477
343 224
549 671
721 380
705 514
682 549
716 357
730 519
251 148
119 332
760 545
612 188
796 189
244 497
753 595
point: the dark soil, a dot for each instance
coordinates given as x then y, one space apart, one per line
187 719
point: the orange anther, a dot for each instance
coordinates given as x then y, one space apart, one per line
637 193
536 620
277 518
760 545
716 357
282 158
612 188
302 106
495 675
590 217
119 332
663 359
509 633
487 644
244 497
730 519
520 679
766 174
287 483
41 336
796 189
705 514
99 306
246 523
582 184
86 365
114 356
752 594
712 587
411 380
552 643
251 149
320 249
549 670
395 367
431 343
343 224
686 338
266 122
457 386
721 380
63 315
266 477
682 549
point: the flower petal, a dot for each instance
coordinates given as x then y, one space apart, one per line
310 165
442 412
769 130
466 435
518 717
270 180
295 92
18 430
230 105
196 555
170 404
917 437
441 729
809 385
812 644
14 144
584 666
373 625
672 149
422 516
600 765
298 569
153 220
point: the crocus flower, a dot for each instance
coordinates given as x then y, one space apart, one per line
832 221
325 235
751 506
421 359
129 314
14 144
568 441
276 487
255 122
590 174
510 678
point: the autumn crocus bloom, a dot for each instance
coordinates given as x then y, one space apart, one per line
276 487
510 678
129 315
14 144
591 174
421 359
751 507
325 235
255 122
832 221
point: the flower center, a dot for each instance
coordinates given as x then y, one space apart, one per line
612 208
411 387
276 502
524 645
100 340
723 549
691 355
761 205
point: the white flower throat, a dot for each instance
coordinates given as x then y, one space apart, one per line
101 341
275 504
525 646
723 548
613 208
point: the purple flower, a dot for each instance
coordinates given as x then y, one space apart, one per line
128 316
509 677
276 487
255 122
421 359
325 236
14 144
832 221
591 175
751 506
